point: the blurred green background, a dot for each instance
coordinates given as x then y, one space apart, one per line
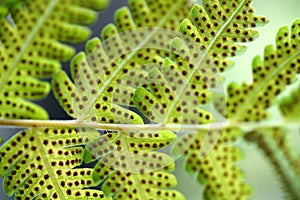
258 173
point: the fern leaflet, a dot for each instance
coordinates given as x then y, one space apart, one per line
270 77
290 105
101 90
42 167
119 55
129 157
217 171
31 48
250 102
189 78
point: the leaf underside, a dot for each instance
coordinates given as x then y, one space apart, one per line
130 157
121 59
105 78
249 102
271 75
180 81
43 165
216 170
31 48
290 105
188 81
178 78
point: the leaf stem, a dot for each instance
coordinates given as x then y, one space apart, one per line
247 126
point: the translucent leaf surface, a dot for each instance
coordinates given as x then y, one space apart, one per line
186 87
271 75
163 89
105 78
129 157
190 78
249 102
290 105
39 164
216 170
31 48
219 25
116 65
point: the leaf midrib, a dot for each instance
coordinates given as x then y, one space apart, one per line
47 165
132 166
123 63
250 99
28 41
201 60
220 176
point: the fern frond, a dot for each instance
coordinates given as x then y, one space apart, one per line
156 100
188 79
105 79
31 46
217 171
218 26
129 157
270 77
208 39
120 59
290 105
42 166
274 144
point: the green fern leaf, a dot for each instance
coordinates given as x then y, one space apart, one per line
156 101
207 40
216 171
120 56
275 146
6 5
290 105
219 25
188 80
130 157
270 77
250 102
101 90
42 166
201 54
31 48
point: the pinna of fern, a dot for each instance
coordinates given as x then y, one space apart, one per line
271 75
121 58
290 105
159 92
188 79
99 95
43 165
277 70
250 102
119 152
32 46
